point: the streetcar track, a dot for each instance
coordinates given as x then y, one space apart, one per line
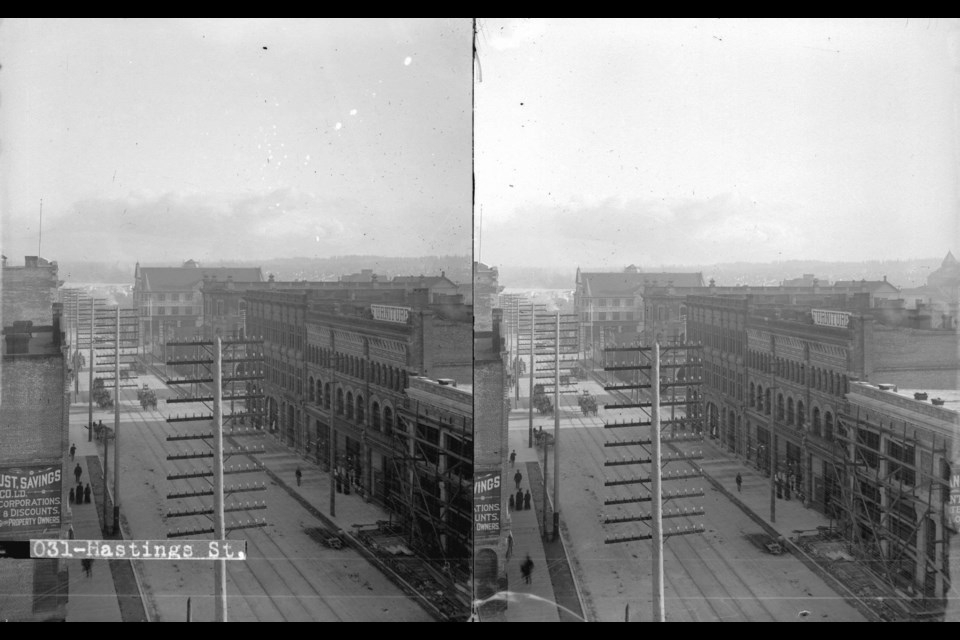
236 574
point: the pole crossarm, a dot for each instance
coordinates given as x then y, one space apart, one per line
677 475
247 506
646 442
678 513
249 396
664 459
646 405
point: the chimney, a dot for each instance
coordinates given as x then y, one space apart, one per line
30 261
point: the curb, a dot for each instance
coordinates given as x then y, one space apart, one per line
841 589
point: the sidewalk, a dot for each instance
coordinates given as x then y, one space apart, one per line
92 599
534 602
723 467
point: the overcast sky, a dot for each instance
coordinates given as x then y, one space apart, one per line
162 140
703 141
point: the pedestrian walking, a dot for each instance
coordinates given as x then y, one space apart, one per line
517 477
519 499
739 482
526 569
73 451
299 475
71 496
526 499
87 564
512 502
513 457
78 471
86 494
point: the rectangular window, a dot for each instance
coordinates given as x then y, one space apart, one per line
602 315
161 311
175 297
161 297
174 311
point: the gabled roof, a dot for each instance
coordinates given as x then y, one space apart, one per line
628 283
179 278
423 281
873 286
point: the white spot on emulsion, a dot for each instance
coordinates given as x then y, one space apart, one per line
318 238
353 112
338 126
407 61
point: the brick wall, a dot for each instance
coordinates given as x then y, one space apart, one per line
28 293
447 349
33 410
915 358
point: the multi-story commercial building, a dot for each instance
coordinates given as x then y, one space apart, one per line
171 302
435 427
34 419
338 364
778 364
896 460
492 536
611 306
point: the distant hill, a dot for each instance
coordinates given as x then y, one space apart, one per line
900 273
457 268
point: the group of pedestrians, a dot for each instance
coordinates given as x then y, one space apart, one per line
80 494
520 500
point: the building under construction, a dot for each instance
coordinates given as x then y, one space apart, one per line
893 459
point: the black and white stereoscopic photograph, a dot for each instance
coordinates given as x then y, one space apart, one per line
717 279
237 378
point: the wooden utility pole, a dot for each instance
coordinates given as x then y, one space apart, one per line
116 426
219 533
556 430
773 450
656 504
332 445
92 365
533 366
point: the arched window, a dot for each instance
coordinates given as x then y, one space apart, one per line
816 421
766 402
375 416
753 398
319 391
387 420
349 405
789 410
326 396
780 407
313 397
340 401
801 416
759 398
828 425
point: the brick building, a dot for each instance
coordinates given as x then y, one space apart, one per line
492 537
435 427
171 302
896 458
612 307
782 361
34 419
339 359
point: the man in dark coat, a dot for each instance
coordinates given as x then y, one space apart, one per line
86 494
78 471
527 569
518 477
526 499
